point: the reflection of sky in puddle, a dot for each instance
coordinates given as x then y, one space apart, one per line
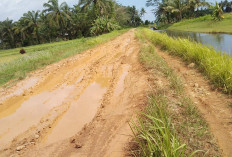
220 42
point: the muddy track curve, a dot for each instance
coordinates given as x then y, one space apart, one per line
79 106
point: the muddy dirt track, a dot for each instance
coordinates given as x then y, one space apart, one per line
79 106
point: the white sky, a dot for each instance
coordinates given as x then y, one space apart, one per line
14 9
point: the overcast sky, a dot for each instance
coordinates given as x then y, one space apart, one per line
14 9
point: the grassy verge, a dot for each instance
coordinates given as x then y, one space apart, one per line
170 126
205 24
217 67
163 26
14 66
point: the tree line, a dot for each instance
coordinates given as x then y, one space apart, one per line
61 22
171 11
226 6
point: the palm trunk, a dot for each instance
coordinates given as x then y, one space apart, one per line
181 15
37 35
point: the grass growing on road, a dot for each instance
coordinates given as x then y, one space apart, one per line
14 66
216 66
170 125
205 24
154 132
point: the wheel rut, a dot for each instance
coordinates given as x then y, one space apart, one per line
88 98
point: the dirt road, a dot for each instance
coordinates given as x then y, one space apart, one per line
80 106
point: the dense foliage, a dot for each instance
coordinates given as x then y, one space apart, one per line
226 6
217 12
61 22
170 11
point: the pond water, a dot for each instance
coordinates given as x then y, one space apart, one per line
220 42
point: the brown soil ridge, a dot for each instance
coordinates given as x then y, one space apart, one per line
215 106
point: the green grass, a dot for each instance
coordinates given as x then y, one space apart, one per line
14 66
154 132
216 66
205 24
171 125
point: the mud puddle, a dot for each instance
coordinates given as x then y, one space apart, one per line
80 113
100 76
23 115
21 88
120 86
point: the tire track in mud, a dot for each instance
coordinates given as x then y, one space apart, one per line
99 90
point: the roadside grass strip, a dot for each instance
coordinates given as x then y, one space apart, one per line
171 125
216 66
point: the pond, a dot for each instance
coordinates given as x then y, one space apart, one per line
220 42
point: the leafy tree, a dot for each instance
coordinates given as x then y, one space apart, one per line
99 7
135 19
178 6
169 11
103 25
31 20
60 22
217 12
226 6
142 12
122 15
57 13
7 33
147 22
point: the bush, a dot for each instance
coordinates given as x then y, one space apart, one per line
217 12
22 51
103 25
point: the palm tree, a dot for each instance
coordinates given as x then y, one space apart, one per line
226 6
31 18
135 20
56 13
100 7
178 6
7 33
195 5
217 12
164 11
142 12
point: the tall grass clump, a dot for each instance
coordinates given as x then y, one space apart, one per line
154 132
216 66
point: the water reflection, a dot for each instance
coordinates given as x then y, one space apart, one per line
220 42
